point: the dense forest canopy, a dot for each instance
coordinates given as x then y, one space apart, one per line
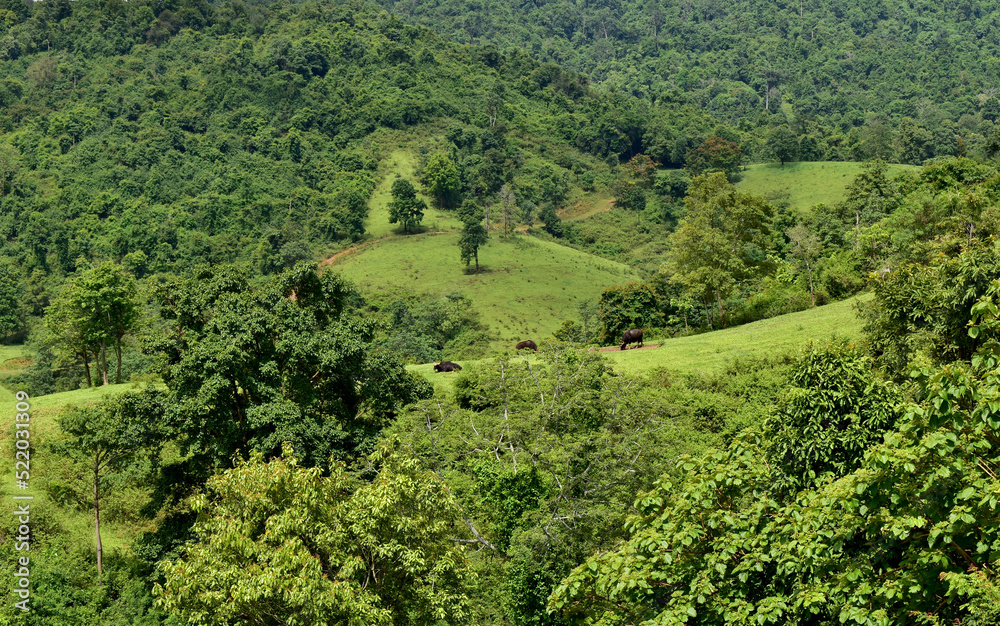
172 172
836 67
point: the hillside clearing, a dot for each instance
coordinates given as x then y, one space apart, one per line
711 351
803 185
525 289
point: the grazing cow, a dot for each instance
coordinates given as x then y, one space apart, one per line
526 344
632 336
447 366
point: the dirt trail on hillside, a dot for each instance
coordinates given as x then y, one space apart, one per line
357 247
616 348
581 210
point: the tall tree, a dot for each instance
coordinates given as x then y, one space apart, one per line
782 144
108 296
806 248
249 368
313 547
721 240
473 237
508 206
108 437
443 180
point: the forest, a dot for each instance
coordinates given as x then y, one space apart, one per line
236 236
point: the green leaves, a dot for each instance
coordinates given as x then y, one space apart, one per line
278 539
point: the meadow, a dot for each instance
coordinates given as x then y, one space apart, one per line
526 287
710 352
803 185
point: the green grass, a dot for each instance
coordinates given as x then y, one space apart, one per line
711 351
782 334
804 185
525 289
404 163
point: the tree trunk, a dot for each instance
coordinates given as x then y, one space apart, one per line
718 298
104 362
86 367
97 518
476 254
812 294
118 354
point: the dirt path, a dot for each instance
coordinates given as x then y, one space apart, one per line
616 348
582 210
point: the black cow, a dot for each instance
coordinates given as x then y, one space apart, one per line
447 366
632 336
526 344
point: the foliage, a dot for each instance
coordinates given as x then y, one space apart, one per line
720 242
782 144
621 308
543 453
405 206
11 311
833 411
894 541
275 538
921 312
442 179
109 437
715 155
248 368
473 237
96 308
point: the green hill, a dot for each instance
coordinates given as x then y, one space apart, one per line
782 334
526 288
804 185
709 352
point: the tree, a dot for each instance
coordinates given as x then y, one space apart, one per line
715 154
249 368
405 207
720 241
9 163
871 196
11 310
546 455
833 411
782 144
473 237
97 307
630 189
508 205
628 306
909 535
551 220
443 180
110 436
108 296
806 248
278 539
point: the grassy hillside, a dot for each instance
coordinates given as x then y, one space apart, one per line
711 351
526 287
785 333
804 185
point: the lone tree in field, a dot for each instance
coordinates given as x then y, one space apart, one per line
783 145
405 207
473 236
